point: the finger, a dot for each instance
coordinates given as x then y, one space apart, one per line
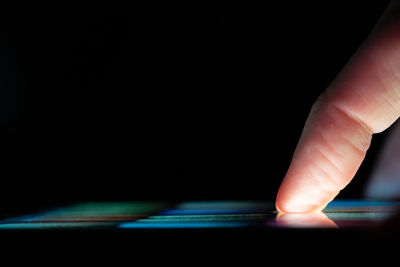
384 182
364 99
305 220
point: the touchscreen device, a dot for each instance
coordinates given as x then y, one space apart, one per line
200 215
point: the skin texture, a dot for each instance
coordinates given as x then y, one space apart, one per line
363 100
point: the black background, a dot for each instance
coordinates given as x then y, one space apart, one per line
107 100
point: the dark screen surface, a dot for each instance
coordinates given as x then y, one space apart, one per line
352 232
356 214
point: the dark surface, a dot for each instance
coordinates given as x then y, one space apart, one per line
360 240
284 247
108 100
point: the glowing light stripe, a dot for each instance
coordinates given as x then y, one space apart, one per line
179 225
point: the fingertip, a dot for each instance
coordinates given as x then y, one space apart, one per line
298 204
305 220
296 207
278 207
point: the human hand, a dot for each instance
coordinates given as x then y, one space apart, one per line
363 100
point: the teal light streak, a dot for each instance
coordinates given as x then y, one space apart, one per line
203 217
16 226
161 225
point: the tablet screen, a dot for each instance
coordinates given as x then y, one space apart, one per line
202 214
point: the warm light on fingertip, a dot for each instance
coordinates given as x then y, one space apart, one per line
305 220
298 208
278 208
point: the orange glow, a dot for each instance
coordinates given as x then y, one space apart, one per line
305 220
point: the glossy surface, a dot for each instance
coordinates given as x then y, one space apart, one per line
203 214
